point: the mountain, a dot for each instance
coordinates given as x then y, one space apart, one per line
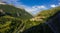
47 21
51 26
12 19
42 17
15 12
16 20
45 14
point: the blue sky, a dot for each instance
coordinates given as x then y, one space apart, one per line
38 2
33 6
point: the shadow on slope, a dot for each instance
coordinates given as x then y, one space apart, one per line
52 25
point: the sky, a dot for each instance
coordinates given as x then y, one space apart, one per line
33 6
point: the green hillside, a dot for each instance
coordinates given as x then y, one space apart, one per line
15 12
42 17
51 16
12 19
15 20
48 13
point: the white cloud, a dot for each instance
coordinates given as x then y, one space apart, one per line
35 9
53 5
41 6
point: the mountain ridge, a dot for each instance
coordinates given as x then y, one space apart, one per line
9 9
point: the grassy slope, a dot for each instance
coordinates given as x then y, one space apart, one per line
13 10
45 28
13 23
45 13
